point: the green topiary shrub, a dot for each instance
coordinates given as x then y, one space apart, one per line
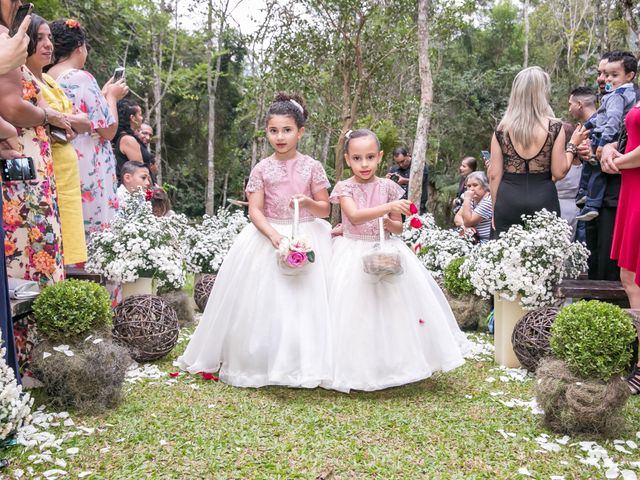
72 308
594 339
456 284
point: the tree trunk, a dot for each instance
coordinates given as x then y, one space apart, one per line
426 101
256 128
224 190
157 115
325 147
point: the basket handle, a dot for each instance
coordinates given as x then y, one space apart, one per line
381 227
296 218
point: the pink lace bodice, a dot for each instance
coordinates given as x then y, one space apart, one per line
281 179
365 195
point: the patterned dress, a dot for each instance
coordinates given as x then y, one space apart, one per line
97 161
32 244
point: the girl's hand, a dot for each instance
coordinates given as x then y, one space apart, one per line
276 238
386 223
303 200
400 207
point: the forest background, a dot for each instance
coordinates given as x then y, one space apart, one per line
204 86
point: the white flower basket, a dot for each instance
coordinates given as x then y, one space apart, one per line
382 259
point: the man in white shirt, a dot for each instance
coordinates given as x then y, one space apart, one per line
135 176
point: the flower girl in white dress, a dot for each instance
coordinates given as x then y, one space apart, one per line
266 321
388 328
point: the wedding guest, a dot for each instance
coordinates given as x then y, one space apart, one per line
127 146
65 158
477 211
160 203
145 134
401 173
528 152
96 159
467 165
33 246
568 188
135 177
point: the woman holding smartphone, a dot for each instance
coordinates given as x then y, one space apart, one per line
32 245
65 158
96 159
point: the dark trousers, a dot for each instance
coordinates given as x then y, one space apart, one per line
599 235
593 184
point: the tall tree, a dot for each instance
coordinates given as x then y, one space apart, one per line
426 102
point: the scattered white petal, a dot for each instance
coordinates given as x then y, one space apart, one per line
468 397
60 462
564 440
18 473
629 475
88 338
525 472
211 405
61 348
105 449
87 430
73 451
551 446
564 462
195 386
97 340
69 353
489 379
631 444
84 474
557 477
68 423
45 355
163 443
612 473
54 473
621 449
496 394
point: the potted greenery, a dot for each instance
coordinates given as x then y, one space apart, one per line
137 248
521 270
76 360
580 389
467 307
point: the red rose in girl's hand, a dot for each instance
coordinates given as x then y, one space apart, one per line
413 209
415 222
148 195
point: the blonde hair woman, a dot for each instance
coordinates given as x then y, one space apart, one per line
528 152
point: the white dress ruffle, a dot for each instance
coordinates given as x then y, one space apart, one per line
262 327
388 332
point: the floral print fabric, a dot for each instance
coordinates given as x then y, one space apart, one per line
96 159
32 244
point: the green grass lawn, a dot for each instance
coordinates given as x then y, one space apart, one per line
444 427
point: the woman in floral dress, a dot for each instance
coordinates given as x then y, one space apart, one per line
96 158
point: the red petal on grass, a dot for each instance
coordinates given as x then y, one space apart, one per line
418 247
421 322
174 374
209 376
413 209
415 222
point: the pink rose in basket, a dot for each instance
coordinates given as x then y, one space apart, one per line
296 259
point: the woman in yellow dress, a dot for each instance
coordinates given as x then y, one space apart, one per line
65 158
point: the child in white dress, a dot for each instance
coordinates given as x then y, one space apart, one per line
262 326
386 330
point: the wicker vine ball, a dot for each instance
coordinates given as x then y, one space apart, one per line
202 289
147 325
531 335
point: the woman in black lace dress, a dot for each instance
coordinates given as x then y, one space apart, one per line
528 152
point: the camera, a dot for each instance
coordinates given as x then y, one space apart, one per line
395 177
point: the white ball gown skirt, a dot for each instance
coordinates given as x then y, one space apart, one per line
262 327
390 332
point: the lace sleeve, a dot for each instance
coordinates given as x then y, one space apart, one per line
319 180
342 189
255 182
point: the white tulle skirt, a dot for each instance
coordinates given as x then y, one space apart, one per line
262 327
390 331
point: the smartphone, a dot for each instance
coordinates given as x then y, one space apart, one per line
118 74
18 169
58 134
486 156
21 14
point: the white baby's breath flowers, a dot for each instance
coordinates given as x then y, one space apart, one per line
15 406
527 261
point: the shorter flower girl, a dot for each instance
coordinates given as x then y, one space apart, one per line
390 322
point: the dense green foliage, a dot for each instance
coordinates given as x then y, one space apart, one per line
456 284
72 308
594 339
310 47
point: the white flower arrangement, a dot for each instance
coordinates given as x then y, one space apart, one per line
209 242
527 261
15 406
139 244
435 247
